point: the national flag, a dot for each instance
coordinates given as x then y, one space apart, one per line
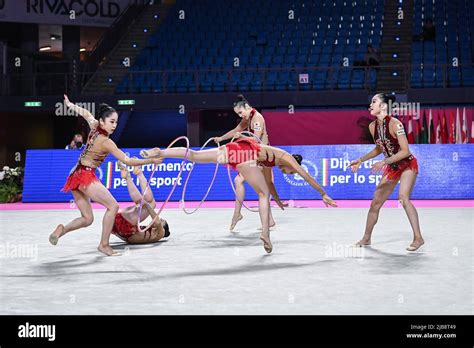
438 130
324 172
458 128
472 132
108 176
452 128
431 133
418 130
444 129
465 137
424 130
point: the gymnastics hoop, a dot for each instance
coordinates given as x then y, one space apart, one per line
208 189
172 190
230 179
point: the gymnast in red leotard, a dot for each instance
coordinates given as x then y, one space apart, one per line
245 155
399 165
83 182
253 122
125 221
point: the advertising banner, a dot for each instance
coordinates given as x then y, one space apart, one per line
445 173
97 13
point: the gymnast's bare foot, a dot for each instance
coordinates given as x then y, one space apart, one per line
235 220
107 250
57 233
155 152
267 244
365 241
416 244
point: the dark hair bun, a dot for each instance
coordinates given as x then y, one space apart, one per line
298 158
391 98
387 98
105 111
104 107
240 100
167 229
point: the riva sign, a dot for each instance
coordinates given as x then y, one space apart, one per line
67 12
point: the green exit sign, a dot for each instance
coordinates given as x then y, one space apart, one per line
126 102
33 104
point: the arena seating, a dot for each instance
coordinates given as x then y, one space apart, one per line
432 61
270 44
261 45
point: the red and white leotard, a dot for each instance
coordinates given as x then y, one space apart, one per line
244 150
123 228
390 146
252 128
83 173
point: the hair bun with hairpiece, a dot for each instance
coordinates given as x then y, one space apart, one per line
390 98
240 100
387 98
298 158
104 111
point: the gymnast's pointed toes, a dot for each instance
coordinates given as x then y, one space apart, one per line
58 232
53 239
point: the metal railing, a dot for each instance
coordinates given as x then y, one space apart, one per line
42 84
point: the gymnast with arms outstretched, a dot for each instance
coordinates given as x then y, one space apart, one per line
83 182
246 155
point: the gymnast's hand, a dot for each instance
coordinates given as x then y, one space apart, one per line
328 201
217 140
377 167
354 165
157 160
66 101
280 203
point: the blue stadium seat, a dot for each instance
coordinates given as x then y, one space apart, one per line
261 36
452 20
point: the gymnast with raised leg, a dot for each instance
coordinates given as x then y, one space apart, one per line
83 182
246 155
125 224
399 165
252 122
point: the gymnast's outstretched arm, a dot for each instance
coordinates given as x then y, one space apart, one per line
150 210
240 127
112 148
83 112
290 161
